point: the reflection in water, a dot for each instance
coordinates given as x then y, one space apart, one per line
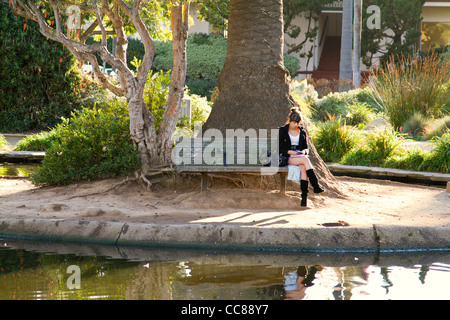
138 274
297 282
17 170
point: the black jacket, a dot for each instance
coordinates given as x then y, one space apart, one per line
285 141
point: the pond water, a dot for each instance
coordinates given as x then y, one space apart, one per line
50 271
17 169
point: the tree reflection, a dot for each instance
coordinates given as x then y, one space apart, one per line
34 275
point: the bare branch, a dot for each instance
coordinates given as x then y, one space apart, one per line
57 18
99 17
80 50
134 14
89 31
122 41
19 8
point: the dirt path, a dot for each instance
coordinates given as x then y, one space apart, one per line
368 202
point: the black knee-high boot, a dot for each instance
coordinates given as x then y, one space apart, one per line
314 182
304 189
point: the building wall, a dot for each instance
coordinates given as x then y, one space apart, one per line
436 14
198 26
301 22
433 11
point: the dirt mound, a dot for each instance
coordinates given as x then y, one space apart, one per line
239 199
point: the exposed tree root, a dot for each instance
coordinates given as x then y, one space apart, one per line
115 185
236 181
146 181
139 176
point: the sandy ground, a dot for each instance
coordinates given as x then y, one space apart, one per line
368 202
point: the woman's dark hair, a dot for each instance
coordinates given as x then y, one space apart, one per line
295 115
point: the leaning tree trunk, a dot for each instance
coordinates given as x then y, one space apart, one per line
180 27
155 146
254 84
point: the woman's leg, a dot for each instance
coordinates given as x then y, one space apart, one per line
309 172
303 185
303 174
297 161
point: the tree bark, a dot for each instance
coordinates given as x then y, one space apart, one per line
180 27
254 84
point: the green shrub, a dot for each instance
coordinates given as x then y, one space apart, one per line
354 106
410 159
93 144
292 64
39 81
343 103
302 89
375 148
201 87
439 159
205 59
200 107
383 143
360 156
38 142
333 140
200 110
156 92
357 113
366 95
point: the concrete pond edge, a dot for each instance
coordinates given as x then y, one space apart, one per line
378 238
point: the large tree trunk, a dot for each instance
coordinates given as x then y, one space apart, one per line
254 84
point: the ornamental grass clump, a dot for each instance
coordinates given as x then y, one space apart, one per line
375 148
438 127
384 143
412 85
334 139
439 158
416 125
